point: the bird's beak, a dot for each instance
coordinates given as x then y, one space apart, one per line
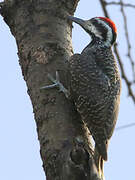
78 21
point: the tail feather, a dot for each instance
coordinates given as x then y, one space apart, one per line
102 168
100 155
102 149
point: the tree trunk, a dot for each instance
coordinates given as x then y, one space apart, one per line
43 37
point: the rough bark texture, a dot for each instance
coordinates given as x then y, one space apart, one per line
43 37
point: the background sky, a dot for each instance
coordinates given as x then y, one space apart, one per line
19 146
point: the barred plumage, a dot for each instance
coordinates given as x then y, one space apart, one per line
95 83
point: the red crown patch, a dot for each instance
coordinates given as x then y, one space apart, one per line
110 22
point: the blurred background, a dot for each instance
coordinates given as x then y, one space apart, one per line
19 146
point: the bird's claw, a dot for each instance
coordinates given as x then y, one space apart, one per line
56 83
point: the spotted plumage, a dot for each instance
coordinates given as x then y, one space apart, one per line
95 82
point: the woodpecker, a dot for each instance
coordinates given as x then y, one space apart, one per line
95 84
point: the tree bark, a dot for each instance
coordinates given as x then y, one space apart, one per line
43 37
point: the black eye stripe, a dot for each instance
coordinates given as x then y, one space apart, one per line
104 30
107 24
101 28
114 35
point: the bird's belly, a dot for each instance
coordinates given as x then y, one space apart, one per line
99 114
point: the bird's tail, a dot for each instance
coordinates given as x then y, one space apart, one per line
99 161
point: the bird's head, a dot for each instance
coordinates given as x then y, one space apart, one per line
99 28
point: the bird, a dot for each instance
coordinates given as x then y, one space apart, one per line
95 84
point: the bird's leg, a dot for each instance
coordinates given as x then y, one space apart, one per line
56 83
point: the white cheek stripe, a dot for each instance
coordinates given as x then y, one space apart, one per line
109 32
95 31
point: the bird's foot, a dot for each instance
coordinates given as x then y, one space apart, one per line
56 83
